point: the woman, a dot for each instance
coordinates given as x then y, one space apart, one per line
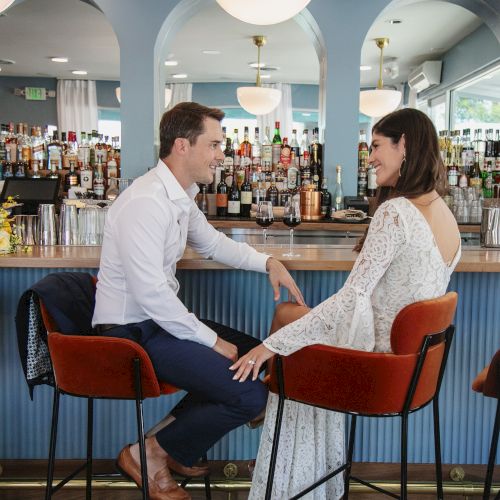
407 255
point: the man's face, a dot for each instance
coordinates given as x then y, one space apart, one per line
204 155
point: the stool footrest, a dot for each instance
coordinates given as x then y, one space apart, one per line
373 487
68 478
320 481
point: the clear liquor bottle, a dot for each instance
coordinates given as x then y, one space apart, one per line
338 193
267 152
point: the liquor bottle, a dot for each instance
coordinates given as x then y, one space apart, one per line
315 144
221 197
256 149
467 152
338 194
55 152
489 151
224 137
246 195
488 180
112 168
475 179
285 194
479 147
304 142
276 147
203 200
267 152
315 168
54 170
11 142
326 199
234 201
98 186
236 149
372 181
306 170
294 144
453 176
84 150
293 178
245 148
37 147
8 168
228 162
35 169
259 191
286 151
70 179
362 164
272 194
112 192
87 177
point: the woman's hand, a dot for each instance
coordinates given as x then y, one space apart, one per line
251 362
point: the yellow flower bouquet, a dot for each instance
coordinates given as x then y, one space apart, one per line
9 240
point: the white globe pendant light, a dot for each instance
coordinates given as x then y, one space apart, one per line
263 12
379 102
258 100
5 4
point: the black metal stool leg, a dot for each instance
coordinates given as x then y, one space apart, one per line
140 428
350 451
437 450
493 454
208 493
53 442
90 439
404 456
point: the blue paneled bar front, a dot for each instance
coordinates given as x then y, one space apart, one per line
244 300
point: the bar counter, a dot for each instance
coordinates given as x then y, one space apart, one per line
244 300
312 258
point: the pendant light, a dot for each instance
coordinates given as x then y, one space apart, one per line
5 4
258 100
263 12
379 102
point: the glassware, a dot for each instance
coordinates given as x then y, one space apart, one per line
264 217
47 234
291 218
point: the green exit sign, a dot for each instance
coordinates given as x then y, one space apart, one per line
35 93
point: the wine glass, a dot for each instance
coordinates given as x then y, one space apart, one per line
291 218
264 217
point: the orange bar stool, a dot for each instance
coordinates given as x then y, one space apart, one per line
371 384
99 367
488 383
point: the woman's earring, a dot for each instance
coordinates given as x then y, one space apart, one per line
402 163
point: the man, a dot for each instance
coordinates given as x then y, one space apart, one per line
146 232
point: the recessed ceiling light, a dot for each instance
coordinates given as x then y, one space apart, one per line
211 52
394 21
171 63
79 72
306 114
255 65
59 59
179 75
265 77
365 67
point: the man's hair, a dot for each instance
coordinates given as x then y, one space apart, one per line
185 120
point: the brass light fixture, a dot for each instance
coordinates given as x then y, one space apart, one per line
379 102
258 100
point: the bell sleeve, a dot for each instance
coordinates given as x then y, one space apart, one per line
346 318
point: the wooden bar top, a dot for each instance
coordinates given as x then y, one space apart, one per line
312 257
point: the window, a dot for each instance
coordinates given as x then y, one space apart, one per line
109 123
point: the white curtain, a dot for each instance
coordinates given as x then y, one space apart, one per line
181 92
282 113
76 106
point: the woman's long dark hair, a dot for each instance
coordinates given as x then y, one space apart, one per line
423 169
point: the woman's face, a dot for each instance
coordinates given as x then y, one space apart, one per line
386 157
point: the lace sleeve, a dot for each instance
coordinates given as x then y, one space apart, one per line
346 318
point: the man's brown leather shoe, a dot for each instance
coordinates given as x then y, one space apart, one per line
183 470
130 468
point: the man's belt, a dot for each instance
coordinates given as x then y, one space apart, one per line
102 329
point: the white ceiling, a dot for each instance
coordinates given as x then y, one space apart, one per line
35 30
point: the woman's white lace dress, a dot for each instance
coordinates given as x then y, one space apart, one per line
400 263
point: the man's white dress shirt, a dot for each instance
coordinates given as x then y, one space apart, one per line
145 234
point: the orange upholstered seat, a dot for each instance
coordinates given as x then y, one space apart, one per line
370 383
488 383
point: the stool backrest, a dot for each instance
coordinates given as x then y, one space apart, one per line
491 386
97 366
417 320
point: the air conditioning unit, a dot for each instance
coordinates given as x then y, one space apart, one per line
426 75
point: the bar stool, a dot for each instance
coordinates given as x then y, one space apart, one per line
370 384
99 367
488 383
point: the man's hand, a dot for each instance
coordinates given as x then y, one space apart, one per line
279 276
251 362
228 350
